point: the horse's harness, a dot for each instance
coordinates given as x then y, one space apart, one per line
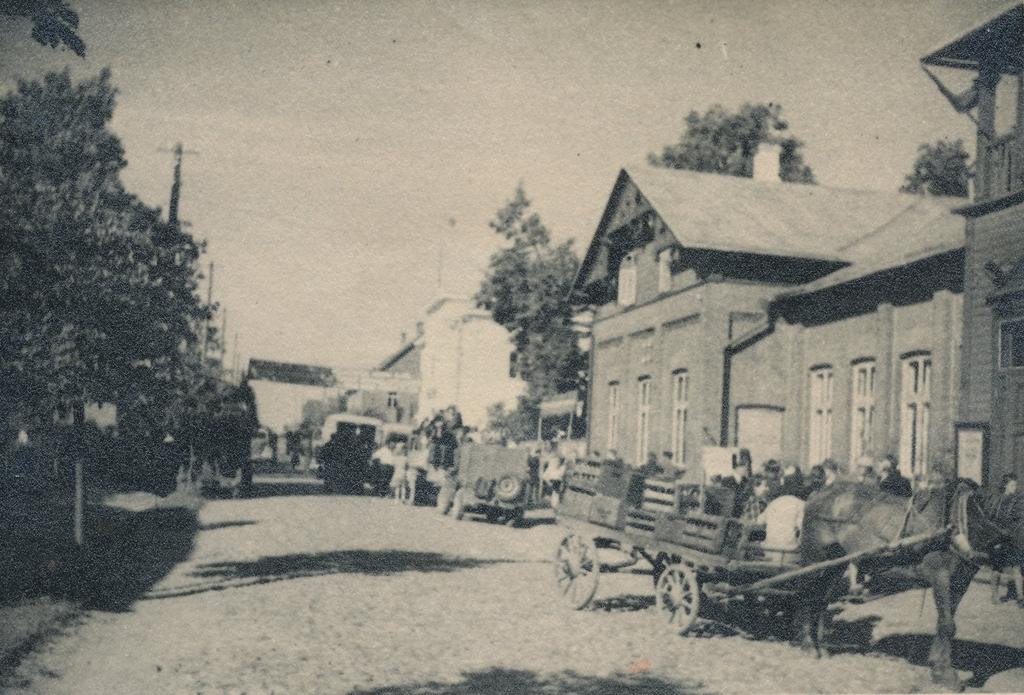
960 524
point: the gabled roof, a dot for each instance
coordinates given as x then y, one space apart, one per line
291 373
1001 36
736 214
391 359
926 228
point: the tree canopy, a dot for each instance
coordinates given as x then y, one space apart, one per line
526 288
98 296
723 142
54 22
941 168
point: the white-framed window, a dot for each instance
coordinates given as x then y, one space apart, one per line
613 417
643 419
821 414
915 406
627 281
665 257
513 364
680 409
392 399
1011 344
862 408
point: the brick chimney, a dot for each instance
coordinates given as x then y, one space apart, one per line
766 162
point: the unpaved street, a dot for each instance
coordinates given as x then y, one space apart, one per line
329 594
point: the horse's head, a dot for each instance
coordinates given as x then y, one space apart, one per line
1006 514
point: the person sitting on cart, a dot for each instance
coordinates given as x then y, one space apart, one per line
792 481
740 482
651 468
773 478
893 481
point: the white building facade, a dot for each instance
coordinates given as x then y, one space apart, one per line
467 360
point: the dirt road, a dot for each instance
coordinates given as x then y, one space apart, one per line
292 593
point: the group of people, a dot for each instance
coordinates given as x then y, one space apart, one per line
755 490
427 460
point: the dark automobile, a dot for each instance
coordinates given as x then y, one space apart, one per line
345 458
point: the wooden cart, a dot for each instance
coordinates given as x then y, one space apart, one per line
695 556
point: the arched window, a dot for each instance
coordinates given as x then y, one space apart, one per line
821 414
613 417
915 407
862 408
680 411
643 419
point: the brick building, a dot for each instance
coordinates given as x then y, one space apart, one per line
992 380
799 321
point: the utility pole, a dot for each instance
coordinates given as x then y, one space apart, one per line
223 340
178 151
206 324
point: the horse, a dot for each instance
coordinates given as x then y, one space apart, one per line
960 527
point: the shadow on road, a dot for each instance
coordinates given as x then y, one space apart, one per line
279 487
515 682
227 524
627 603
980 659
227 575
125 554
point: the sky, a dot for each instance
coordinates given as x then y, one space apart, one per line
351 154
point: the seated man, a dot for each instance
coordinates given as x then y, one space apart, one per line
783 518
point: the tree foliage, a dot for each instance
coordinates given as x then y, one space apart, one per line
941 168
54 22
98 296
723 142
526 288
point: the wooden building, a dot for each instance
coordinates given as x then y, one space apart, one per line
992 378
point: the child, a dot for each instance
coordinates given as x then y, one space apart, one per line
399 478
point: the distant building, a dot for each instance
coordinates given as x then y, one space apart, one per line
283 388
460 357
389 396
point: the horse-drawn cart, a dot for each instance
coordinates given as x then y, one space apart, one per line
694 555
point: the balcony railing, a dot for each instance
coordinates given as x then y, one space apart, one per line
1004 171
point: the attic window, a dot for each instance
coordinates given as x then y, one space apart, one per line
627 281
665 259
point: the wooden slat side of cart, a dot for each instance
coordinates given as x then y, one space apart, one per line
692 553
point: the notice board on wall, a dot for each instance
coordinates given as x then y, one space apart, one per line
972 451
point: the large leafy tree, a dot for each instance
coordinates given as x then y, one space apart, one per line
98 295
722 142
941 168
526 288
54 22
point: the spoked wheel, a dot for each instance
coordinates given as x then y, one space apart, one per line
678 595
577 569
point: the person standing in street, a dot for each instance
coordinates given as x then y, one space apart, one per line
444 445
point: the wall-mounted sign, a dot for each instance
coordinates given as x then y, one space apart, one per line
972 451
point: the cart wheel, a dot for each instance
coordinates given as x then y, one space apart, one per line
678 594
577 569
458 506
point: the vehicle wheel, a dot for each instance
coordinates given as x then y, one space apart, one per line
458 506
577 570
678 595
